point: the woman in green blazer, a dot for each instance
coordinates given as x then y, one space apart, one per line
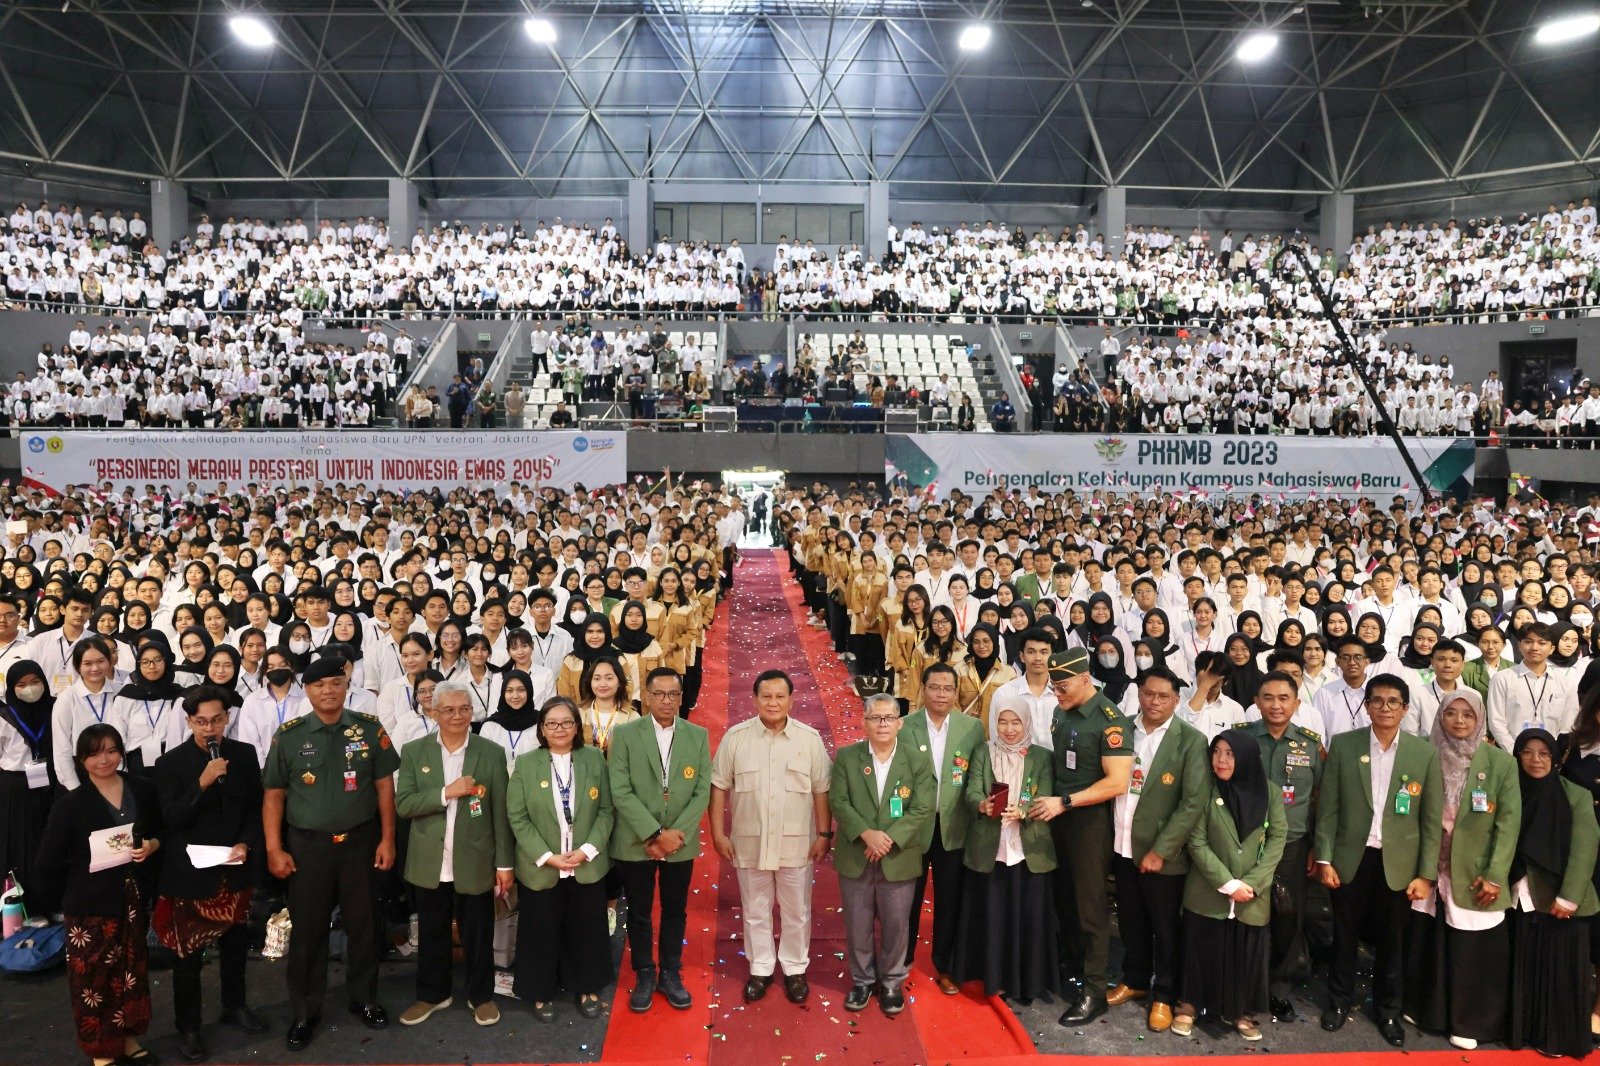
1005 935
560 812
1227 896
1458 942
1476 674
1552 878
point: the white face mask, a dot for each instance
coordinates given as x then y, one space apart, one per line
1144 662
299 647
29 693
1108 660
578 616
1582 620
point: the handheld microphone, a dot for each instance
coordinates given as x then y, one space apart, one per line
213 749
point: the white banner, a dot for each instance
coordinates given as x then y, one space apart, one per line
1153 463
393 459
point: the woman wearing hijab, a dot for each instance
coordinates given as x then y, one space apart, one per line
1553 888
1099 621
1244 676
1016 623
1458 941
1291 636
1567 660
982 672
1580 765
639 651
1371 631
511 725
1006 935
1227 897
1109 669
194 648
150 706
1157 628
1254 630
27 775
593 641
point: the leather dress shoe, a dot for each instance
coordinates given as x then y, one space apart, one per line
302 1033
947 985
1333 1019
1393 1033
671 987
1088 1007
192 1047
858 997
892 1000
756 987
1160 1019
644 990
1122 994
371 1014
243 1019
1282 1009
796 987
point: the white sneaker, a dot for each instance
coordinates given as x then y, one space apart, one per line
1465 1043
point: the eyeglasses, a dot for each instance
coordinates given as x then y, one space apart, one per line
1535 754
882 719
452 712
208 722
1350 658
1389 701
562 724
666 695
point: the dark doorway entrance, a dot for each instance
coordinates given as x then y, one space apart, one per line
1535 371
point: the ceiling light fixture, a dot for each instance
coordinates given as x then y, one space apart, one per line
974 37
252 30
542 31
1256 47
1568 28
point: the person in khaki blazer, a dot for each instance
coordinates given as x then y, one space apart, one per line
1373 865
939 729
453 785
657 832
560 810
882 797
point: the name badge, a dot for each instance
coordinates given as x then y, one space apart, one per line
897 807
1288 795
1480 801
38 774
1136 786
349 780
60 682
1069 759
475 807
1402 801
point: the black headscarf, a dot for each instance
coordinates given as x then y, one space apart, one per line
1257 644
984 664
34 717
1092 632
1245 793
193 673
164 687
1113 679
511 719
1557 631
580 647
1409 656
1242 681
633 641
1546 835
1168 644
1377 651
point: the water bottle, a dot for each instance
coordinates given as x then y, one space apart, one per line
11 912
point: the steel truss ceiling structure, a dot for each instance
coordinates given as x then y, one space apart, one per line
1398 98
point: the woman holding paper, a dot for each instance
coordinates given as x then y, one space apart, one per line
94 867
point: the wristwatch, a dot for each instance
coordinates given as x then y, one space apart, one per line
828 834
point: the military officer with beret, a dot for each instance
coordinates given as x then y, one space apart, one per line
329 818
1093 766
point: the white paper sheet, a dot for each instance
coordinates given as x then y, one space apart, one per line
110 847
205 856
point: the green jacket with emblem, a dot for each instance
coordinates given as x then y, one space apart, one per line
1411 841
1218 856
853 798
1172 796
479 845
983 835
635 768
966 737
532 813
1483 843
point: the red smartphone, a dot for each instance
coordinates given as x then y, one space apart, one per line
999 798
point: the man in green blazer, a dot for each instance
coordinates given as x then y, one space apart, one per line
660 786
1380 824
882 797
946 742
452 786
1152 823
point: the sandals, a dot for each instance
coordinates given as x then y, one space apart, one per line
1248 1030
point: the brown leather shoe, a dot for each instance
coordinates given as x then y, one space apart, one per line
1160 1017
947 985
1122 994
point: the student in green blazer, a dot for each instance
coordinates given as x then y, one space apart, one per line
560 810
453 785
657 835
1491 645
1006 937
1153 821
940 729
1553 880
882 797
1458 942
1396 774
1234 851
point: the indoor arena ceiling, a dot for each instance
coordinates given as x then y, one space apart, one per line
1383 98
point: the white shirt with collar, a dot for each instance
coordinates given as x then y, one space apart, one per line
938 736
1382 769
1145 746
454 767
1343 708
880 768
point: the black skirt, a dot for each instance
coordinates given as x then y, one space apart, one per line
1006 936
23 813
1551 997
1456 979
1225 967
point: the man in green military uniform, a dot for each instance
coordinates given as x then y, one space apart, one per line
1292 757
1093 747
329 820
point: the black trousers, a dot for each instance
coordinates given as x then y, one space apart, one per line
639 882
838 624
327 874
1083 836
1148 907
945 866
729 554
868 650
232 947
474 917
1287 930
1367 903
561 940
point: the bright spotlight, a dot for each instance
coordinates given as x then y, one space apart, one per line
1570 28
974 37
252 30
542 31
1256 47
